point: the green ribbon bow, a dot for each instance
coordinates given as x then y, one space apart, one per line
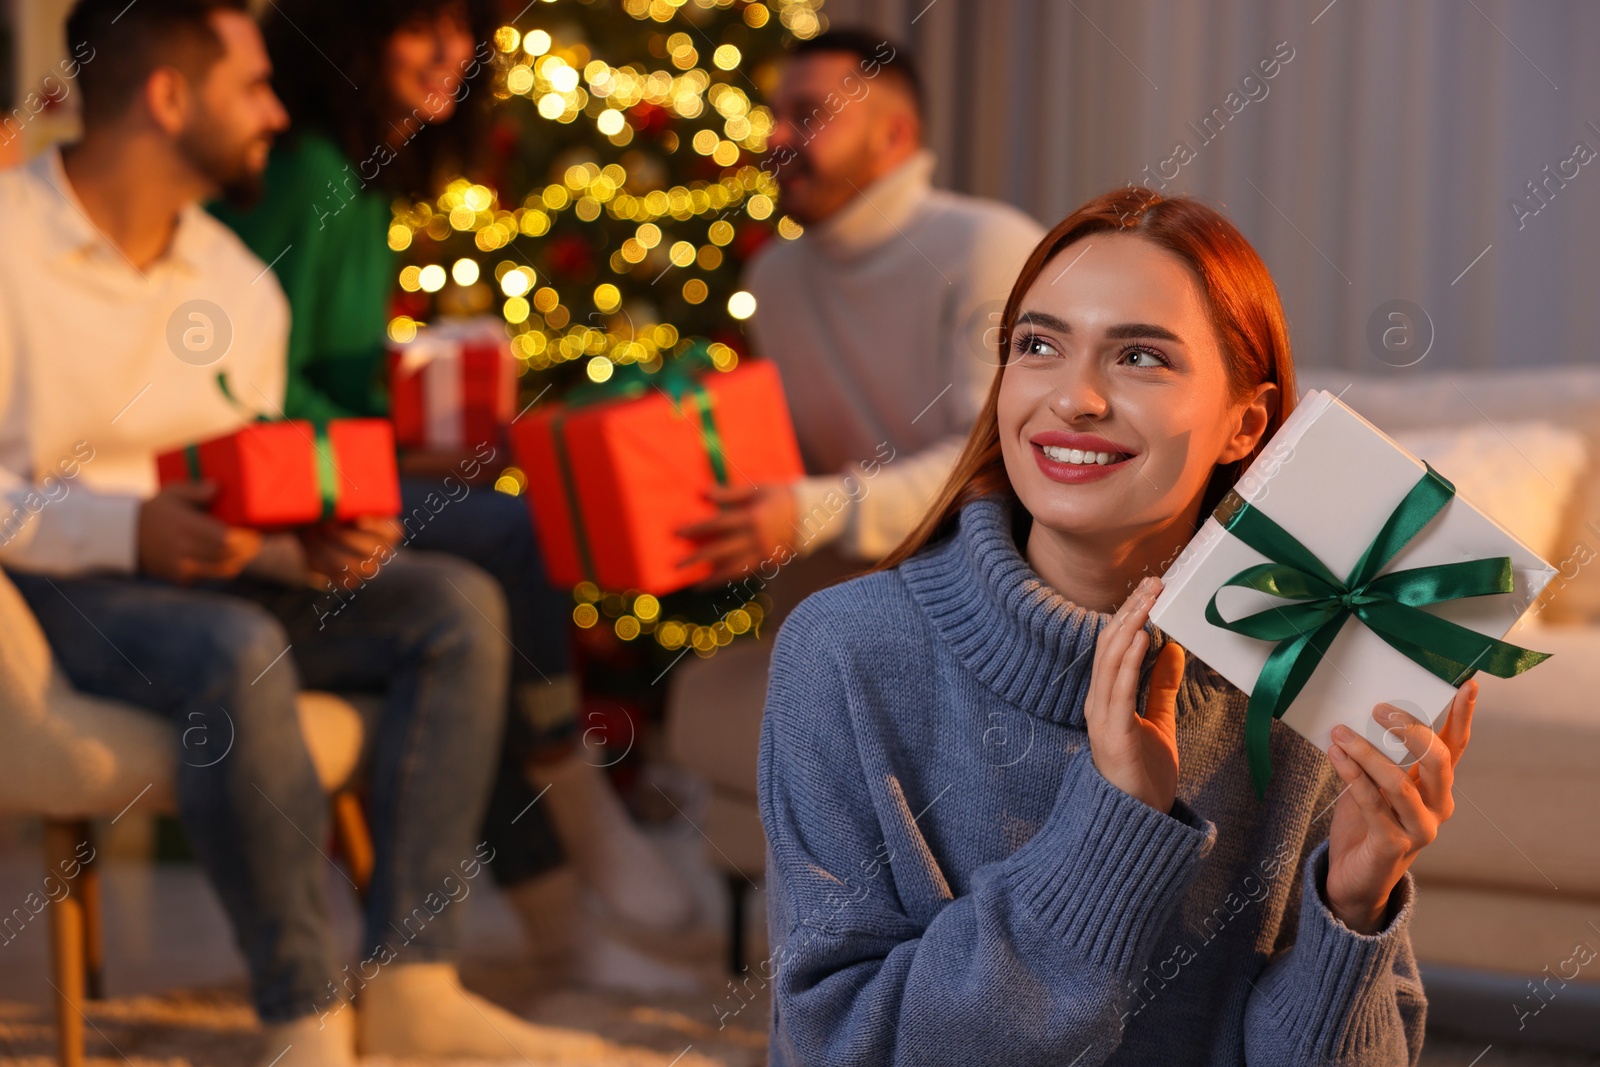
327 469
1388 604
680 378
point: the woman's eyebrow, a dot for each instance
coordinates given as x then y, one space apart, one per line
1128 330
1121 332
1045 319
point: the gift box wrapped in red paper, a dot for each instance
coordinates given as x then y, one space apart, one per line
453 386
615 470
271 475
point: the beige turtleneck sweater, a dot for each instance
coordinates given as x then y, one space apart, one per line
876 320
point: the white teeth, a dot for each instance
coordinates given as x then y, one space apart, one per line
1079 456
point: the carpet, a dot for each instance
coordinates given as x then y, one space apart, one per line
215 1027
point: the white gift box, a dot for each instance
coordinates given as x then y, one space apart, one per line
1331 479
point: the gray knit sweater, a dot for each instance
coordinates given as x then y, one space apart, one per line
952 881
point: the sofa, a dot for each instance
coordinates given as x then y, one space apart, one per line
1507 926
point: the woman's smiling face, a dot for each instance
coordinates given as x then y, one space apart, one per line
423 63
1115 404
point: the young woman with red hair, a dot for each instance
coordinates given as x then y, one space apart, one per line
1008 823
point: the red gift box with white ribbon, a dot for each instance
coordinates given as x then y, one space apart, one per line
453 386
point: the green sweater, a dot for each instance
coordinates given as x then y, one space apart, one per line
326 239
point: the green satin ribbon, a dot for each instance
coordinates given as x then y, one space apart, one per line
1388 604
238 405
327 471
678 378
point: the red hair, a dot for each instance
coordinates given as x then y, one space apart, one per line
1245 312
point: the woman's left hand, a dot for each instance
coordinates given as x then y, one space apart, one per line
1388 813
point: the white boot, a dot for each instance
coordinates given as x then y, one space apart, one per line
421 1010
571 945
312 1041
608 851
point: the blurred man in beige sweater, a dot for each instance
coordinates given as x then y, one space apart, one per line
876 317
881 318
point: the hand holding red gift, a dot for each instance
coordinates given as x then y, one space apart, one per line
347 553
753 523
178 541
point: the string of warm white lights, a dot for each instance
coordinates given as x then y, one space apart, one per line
663 241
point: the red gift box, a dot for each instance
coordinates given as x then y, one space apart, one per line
454 386
637 468
275 474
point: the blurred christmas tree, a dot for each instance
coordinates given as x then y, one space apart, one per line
624 194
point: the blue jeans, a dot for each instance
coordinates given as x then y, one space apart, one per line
496 532
225 662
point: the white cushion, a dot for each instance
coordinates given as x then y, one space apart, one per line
65 754
1494 468
335 727
1527 812
1568 396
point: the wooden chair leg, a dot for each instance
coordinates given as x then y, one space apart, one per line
88 890
67 943
355 839
736 887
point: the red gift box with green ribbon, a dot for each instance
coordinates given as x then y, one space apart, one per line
618 467
290 472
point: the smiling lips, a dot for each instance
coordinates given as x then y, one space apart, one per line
1077 457
1074 455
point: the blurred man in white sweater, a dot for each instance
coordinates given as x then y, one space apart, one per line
123 305
875 316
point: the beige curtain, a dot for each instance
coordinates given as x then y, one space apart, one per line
1379 163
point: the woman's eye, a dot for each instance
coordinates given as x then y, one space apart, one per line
1034 346
1147 358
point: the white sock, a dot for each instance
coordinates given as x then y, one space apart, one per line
311 1041
421 1010
568 943
609 853
609 964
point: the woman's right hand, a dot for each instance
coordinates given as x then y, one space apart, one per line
1137 754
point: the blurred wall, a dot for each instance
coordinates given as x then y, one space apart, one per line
41 99
1379 163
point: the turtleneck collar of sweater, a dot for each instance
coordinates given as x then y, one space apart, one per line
1021 638
879 212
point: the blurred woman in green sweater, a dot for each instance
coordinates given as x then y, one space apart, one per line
388 100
